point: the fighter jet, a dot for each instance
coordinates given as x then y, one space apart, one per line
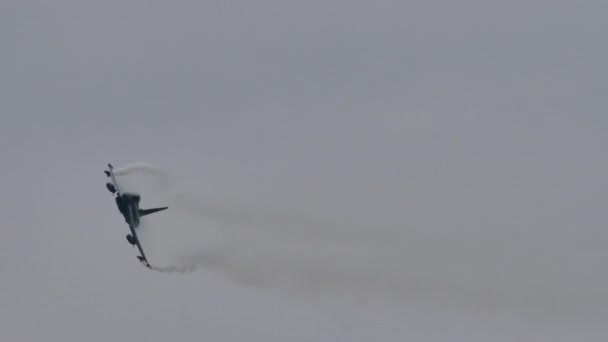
128 205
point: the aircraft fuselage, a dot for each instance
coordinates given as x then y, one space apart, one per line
128 205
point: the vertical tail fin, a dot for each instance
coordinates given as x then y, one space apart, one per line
144 212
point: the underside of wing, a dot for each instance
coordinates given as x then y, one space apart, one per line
113 186
141 258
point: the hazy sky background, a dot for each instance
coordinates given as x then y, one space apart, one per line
390 170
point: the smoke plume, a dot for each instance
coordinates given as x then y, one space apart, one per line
255 249
138 168
354 254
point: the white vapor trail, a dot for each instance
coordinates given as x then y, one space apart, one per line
138 167
386 260
206 235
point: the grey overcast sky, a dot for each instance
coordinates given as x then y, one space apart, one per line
386 170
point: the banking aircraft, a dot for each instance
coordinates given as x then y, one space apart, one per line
128 205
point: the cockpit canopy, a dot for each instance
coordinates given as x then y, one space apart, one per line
134 196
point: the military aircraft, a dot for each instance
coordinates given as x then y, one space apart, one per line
128 205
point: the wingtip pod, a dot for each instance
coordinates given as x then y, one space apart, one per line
144 261
110 167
